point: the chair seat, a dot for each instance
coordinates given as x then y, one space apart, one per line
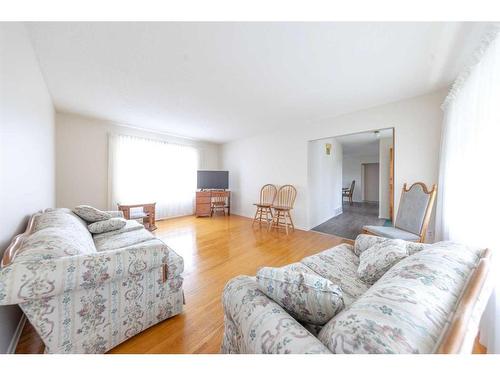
262 204
282 208
219 204
391 232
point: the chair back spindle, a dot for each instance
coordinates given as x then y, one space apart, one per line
219 197
268 194
286 196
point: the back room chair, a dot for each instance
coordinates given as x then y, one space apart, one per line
348 192
264 211
284 204
414 213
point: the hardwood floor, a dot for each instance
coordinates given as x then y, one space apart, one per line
214 250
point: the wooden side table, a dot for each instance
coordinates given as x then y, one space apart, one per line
148 212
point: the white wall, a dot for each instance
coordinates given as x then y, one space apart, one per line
384 191
82 158
352 170
26 147
281 156
324 180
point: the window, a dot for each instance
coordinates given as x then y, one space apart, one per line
146 170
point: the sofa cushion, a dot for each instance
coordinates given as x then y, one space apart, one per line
340 266
91 214
130 225
62 218
407 309
377 260
55 233
107 225
307 297
50 243
365 241
256 324
119 240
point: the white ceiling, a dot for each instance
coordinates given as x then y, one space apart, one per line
363 144
223 81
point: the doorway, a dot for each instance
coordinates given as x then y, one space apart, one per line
352 186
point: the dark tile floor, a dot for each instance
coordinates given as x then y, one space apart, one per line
351 221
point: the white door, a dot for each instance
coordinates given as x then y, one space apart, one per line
371 181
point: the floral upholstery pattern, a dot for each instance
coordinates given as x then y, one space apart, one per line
376 260
91 214
407 309
365 241
107 225
306 296
97 319
124 239
56 234
90 302
253 323
130 225
340 266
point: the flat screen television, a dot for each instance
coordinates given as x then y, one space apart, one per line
213 180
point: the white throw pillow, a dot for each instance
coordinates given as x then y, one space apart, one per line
307 297
91 214
107 225
375 261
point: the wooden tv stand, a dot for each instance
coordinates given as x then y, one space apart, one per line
204 199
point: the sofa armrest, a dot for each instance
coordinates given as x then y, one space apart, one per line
115 213
257 324
27 280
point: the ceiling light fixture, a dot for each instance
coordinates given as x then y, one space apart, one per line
377 134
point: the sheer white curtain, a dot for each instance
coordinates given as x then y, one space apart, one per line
469 183
145 170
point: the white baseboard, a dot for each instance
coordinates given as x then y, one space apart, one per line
17 335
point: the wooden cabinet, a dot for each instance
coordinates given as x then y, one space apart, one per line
204 201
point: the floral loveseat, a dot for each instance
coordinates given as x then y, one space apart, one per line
84 293
418 306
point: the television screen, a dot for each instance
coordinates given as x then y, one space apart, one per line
213 179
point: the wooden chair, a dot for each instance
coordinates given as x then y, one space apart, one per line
414 213
267 197
348 192
218 202
284 204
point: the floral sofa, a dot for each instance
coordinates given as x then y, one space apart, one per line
412 308
84 293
